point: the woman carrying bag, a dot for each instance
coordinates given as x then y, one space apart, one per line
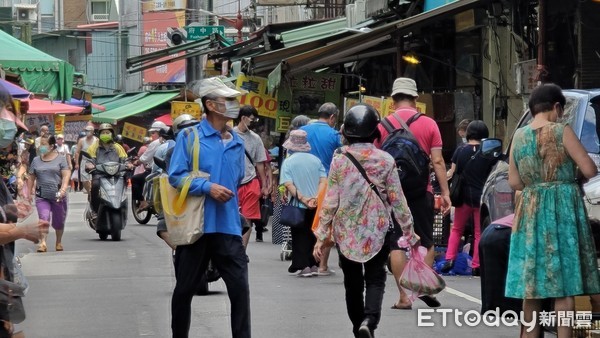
474 169
303 175
362 193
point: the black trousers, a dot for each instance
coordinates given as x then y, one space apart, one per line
303 243
229 257
363 305
137 185
95 193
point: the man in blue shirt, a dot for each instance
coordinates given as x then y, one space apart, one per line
323 139
222 157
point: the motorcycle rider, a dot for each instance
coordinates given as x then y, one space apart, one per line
147 159
106 150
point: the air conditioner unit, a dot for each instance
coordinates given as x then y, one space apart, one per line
27 14
100 17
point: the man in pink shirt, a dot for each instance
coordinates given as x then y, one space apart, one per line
427 133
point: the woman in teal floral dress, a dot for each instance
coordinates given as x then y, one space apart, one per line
552 253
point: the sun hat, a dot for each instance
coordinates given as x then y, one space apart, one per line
297 141
60 136
405 85
216 86
89 128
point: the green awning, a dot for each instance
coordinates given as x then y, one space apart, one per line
314 32
40 72
145 103
120 101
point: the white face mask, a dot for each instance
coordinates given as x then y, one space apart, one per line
232 109
464 139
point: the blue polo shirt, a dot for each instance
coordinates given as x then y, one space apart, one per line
224 161
323 141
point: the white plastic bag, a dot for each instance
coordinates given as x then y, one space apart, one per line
29 213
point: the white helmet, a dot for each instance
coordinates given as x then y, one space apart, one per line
183 121
158 126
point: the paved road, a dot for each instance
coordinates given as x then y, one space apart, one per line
122 289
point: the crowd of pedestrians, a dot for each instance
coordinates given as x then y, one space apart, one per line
351 197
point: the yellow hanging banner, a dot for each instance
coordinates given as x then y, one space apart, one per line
59 124
257 96
133 132
183 107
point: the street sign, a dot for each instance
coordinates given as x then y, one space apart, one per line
199 32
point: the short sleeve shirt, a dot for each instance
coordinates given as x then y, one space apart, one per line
425 130
323 141
254 148
48 175
304 170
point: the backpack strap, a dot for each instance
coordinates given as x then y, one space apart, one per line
408 123
387 125
249 157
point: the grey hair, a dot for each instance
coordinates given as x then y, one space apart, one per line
299 121
328 109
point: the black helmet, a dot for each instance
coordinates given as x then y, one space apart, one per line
361 121
165 133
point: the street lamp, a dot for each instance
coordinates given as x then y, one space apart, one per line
238 23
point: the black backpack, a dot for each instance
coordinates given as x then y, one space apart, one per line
412 162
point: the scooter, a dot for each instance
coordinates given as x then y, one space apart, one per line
111 216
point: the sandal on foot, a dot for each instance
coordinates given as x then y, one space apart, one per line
59 247
42 248
402 307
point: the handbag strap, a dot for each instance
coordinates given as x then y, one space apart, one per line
361 169
180 200
469 161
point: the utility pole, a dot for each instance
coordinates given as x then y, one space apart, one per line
193 66
120 48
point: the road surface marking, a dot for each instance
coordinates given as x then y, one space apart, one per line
462 295
131 254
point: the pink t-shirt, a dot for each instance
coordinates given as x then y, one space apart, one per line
425 130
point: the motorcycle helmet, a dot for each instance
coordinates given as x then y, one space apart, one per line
106 126
165 133
147 140
157 126
360 121
119 138
183 121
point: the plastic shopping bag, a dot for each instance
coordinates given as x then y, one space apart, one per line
418 278
27 213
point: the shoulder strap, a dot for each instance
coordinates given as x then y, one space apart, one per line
469 161
178 205
248 156
413 118
364 174
387 125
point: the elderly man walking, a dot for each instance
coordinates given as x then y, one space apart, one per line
222 157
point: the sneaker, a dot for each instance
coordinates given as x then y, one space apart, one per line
364 331
305 273
327 272
314 270
259 240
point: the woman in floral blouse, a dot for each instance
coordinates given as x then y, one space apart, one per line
360 219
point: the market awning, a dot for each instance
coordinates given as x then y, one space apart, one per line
37 106
336 51
141 105
119 101
166 119
14 90
40 72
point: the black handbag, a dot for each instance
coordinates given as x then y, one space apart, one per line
292 215
266 210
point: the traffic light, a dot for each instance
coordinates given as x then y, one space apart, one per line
176 36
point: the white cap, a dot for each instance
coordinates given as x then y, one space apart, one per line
216 86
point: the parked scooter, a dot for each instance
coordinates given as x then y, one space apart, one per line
111 216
